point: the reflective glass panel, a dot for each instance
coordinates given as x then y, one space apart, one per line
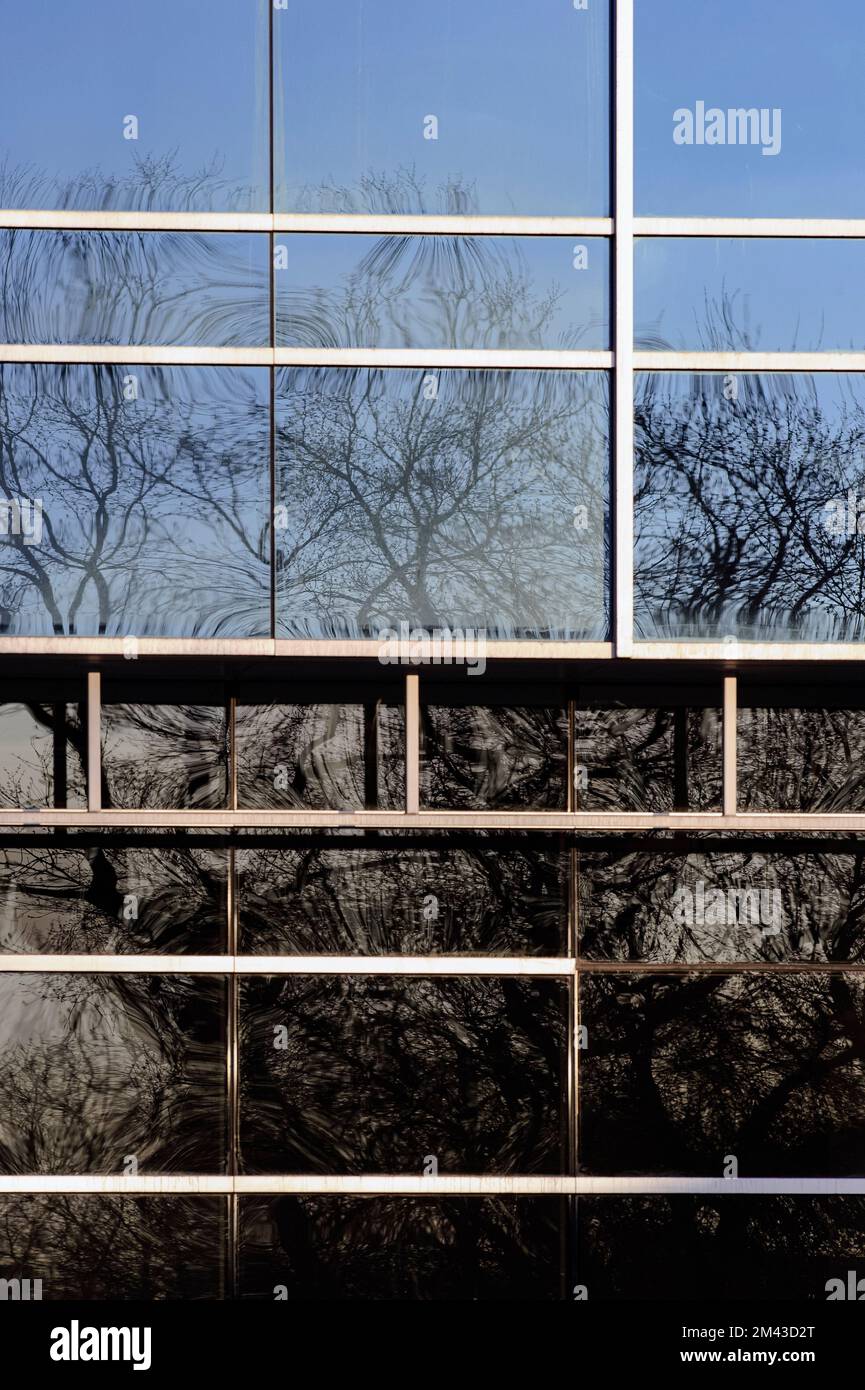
134 501
484 108
441 500
97 113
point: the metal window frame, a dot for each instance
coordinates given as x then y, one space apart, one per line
622 361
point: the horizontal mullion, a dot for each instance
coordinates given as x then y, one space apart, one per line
731 649
437 820
416 1185
183 355
384 224
286 965
749 361
797 227
337 647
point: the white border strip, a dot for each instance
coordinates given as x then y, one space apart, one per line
623 299
415 1185
559 966
749 361
434 820
374 223
799 227
134 354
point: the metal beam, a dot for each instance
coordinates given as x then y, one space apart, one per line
623 331
840 821
416 1185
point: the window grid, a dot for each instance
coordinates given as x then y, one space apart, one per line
622 362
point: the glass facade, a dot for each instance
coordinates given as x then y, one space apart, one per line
432 719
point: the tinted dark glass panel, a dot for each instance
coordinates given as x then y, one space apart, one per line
478 757
755 902
395 899
482 108
106 1248
801 759
139 501
73 79
164 757
96 1070
748 110
440 499
442 292
639 758
682 1073
134 287
405 1248
754 294
42 746
378 1074
747 496
55 899
321 756
715 1249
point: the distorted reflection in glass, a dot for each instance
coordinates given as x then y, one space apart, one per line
370 1074
43 745
717 1248
684 1070
164 757
747 492
320 756
491 107
140 501
110 1247
403 1248
111 899
445 291
767 900
749 294
477 757
395 898
98 114
442 499
748 110
802 757
97 1068
633 758
134 287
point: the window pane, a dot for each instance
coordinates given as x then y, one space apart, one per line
747 496
96 1070
394 899
134 500
749 294
107 1248
750 110
484 108
800 757
110 899
101 114
442 499
763 901
378 1074
134 287
164 757
718 1248
403 1248
442 292
43 754
480 758
681 1073
321 756
647 758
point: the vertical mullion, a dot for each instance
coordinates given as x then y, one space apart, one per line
729 773
623 298
94 741
412 742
